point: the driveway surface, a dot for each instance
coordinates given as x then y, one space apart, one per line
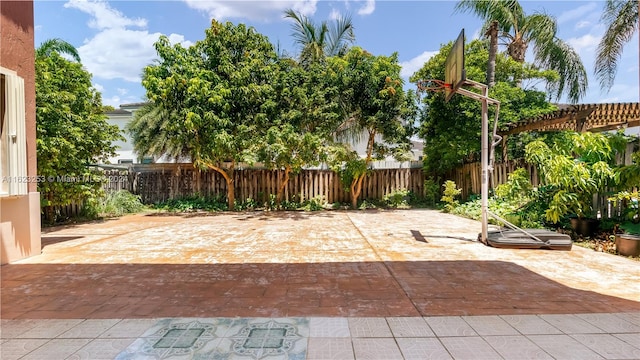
291 269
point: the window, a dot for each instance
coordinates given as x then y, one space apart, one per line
125 161
13 143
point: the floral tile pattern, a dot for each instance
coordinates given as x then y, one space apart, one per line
176 339
260 340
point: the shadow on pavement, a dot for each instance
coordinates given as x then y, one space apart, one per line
399 288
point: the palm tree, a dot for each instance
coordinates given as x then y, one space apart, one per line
621 18
518 31
319 41
152 134
59 46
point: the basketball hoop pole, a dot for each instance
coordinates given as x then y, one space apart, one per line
484 154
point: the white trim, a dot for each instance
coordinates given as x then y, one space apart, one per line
15 136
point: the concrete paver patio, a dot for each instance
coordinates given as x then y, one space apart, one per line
388 265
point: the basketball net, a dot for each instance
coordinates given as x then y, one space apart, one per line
433 85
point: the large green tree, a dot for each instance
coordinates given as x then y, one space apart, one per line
307 113
319 41
218 93
621 19
518 31
375 107
72 131
451 131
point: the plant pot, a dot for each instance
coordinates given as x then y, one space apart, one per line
628 244
585 227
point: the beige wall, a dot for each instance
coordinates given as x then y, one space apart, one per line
19 227
20 216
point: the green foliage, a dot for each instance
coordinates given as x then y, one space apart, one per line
71 130
113 204
397 198
629 201
575 166
249 204
628 176
519 31
449 195
518 187
218 94
193 203
631 228
316 203
153 134
451 131
316 42
621 19
347 164
373 103
431 191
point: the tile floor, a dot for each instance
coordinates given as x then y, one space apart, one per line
322 338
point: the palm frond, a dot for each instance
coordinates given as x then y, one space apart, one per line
340 35
540 28
560 56
59 46
303 30
621 21
508 13
152 133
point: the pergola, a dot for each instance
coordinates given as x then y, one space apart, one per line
581 118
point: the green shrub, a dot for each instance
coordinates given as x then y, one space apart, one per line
449 195
314 204
431 191
193 203
113 204
397 198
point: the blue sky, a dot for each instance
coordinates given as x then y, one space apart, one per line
115 38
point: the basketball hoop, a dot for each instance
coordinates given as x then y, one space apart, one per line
433 85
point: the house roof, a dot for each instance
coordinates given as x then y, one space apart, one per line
582 117
118 112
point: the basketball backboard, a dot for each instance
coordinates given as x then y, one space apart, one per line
454 75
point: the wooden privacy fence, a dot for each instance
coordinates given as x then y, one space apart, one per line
468 177
160 182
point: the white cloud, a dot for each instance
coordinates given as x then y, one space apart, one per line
104 17
117 52
98 87
578 13
413 65
122 92
121 53
368 8
113 101
335 14
265 10
586 42
583 24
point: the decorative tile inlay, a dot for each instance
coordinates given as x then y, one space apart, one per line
178 339
265 339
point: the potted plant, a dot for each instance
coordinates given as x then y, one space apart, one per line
575 167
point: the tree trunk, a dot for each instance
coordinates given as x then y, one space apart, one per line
356 184
283 184
228 177
517 49
492 33
356 189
